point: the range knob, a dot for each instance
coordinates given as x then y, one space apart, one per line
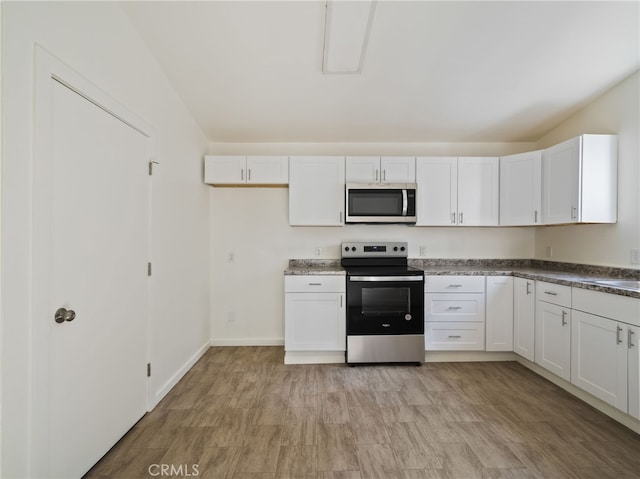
402 248
395 248
346 248
353 248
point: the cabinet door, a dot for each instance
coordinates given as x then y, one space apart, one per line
398 169
437 191
524 300
478 190
521 189
599 358
560 175
268 170
499 313
633 370
314 322
363 169
553 338
225 170
316 191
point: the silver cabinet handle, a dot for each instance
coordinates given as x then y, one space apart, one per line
551 293
618 331
454 308
528 284
384 175
454 286
63 314
535 216
341 301
315 284
629 343
455 337
461 217
574 211
377 174
453 218
242 174
340 216
564 315
386 325
249 177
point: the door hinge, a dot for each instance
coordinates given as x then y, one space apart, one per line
148 370
149 269
151 163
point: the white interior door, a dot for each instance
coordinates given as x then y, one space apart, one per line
91 202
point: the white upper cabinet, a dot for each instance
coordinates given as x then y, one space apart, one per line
521 189
386 169
437 191
316 190
457 191
580 180
239 170
478 189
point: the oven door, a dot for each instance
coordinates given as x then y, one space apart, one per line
388 305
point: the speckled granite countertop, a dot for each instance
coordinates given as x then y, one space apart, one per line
568 274
314 266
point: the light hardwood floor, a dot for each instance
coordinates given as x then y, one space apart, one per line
240 413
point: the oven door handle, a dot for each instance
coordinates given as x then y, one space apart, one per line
395 279
405 202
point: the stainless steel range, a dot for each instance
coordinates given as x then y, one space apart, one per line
385 304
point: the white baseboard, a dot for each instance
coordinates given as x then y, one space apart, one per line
593 401
314 357
467 356
166 387
247 342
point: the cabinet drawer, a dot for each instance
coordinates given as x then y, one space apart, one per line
454 284
314 284
459 336
553 293
620 308
454 307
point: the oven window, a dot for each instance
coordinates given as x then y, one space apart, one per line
385 301
375 202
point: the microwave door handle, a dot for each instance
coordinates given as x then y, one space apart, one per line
405 202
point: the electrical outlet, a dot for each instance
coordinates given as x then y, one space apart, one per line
423 250
318 251
231 257
635 256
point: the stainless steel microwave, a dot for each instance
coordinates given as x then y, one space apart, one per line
381 203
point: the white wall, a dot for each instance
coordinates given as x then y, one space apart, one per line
252 224
97 40
618 112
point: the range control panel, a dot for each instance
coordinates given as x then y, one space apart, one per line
384 249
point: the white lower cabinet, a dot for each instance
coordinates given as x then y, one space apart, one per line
499 313
599 357
454 313
605 359
315 313
553 338
524 318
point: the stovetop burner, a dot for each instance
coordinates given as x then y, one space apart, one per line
387 257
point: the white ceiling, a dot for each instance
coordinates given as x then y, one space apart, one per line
433 71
